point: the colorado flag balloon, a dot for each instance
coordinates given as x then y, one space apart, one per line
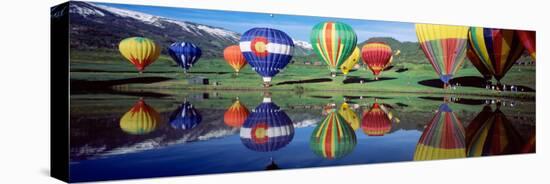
267 50
141 52
444 46
267 128
185 54
333 42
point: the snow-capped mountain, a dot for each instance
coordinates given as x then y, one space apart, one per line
102 26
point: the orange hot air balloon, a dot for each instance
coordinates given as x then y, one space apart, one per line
235 115
377 56
528 38
375 121
234 57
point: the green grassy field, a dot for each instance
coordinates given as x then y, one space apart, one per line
105 66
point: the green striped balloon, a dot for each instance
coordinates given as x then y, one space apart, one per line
333 42
333 138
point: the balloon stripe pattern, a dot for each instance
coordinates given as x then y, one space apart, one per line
498 49
474 59
351 61
267 50
529 40
375 121
444 46
140 119
443 138
376 56
185 54
141 52
234 57
185 117
333 138
236 115
492 135
267 128
334 42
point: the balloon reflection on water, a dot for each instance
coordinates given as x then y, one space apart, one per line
140 119
333 138
185 117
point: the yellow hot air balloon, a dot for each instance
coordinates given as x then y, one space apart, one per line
141 119
351 61
349 115
140 51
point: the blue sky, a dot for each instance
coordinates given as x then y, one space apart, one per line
298 27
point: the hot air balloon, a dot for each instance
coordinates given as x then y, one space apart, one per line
267 128
474 59
443 138
498 49
333 138
375 122
141 119
141 52
185 117
349 115
494 136
351 61
530 145
185 54
376 56
333 42
267 50
235 115
234 57
529 40
444 46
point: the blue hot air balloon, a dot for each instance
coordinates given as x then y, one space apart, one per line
185 54
185 117
267 51
267 128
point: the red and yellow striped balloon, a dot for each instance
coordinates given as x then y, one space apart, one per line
234 57
376 56
375 121
498 49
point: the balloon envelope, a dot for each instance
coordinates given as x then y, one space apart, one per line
474 59
185 54
333 42
234 57
498 49
444 46
235 115
529 40
185 117
267 128
376 56
376 122
443 138
351 61
333 138
140 51
267 50
349 115
140 119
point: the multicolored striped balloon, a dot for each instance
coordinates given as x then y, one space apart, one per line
376 56
443 138
267 128
529 40
498 49
185 117
375 121
267 50
492 134
444 46
333 138
185 54
140 51
351 61
234 57
236 114
349 115
140 119
474 59
333 42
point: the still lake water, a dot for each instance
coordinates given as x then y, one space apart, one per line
144 135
